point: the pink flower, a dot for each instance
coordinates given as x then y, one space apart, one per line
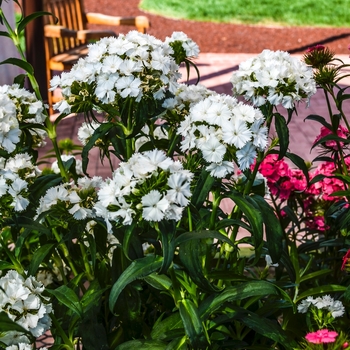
346 262
341 132
321 336
315 48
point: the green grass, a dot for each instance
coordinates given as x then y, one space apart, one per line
321 13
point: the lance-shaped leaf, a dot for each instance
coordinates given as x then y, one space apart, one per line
139 268
192 324
67 297
20 63
264 326
202 189
23 23
101 131
253 214
239 292
192 253
273 229
282 133
39 256
319 119
167 230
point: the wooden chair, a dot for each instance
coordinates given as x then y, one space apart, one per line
66 41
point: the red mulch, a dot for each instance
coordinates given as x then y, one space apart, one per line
230 38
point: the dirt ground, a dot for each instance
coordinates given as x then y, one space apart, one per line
231 38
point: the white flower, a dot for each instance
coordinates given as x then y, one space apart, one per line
237 133
269 262
16 190
213 151
246 156
179 191
220 170
303 307
21 299
19 346
149 186
335 307
276 77
154 206
86 131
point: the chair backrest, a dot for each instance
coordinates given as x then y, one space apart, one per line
70 14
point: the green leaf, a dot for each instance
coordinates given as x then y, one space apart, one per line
5 265
192 324
193 254
282 133
330 137
142 345
5 34
67 297
268 328
20 80
23 23
202 189
300 163
319 119
39 255
315 274
329 288
92 296
253 215
273 229
139 268
20 63
239 292
101 131
6 324
167 230
160 282
164 326
188 236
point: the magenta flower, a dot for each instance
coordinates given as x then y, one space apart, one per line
321 336
346 263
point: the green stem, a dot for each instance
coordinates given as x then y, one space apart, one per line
129 141
215 205
63 248
61 332
89 273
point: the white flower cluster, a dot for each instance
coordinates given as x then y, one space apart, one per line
224 130
185 96
276 77
23 302
17 106
188 45
335 307
16 174
22 346
149 186
76 200
131 65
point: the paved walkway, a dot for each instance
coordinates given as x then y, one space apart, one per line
216 70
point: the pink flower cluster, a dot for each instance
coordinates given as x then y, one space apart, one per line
321 336
285 182
281 179
331 144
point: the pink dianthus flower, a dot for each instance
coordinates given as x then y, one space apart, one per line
321 336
